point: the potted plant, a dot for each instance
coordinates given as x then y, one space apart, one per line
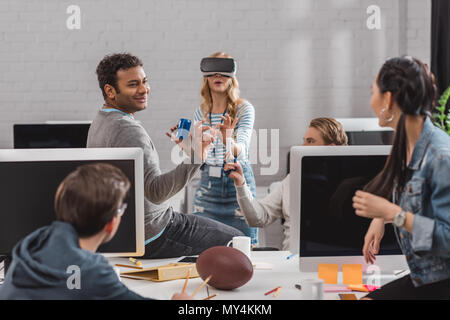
440 118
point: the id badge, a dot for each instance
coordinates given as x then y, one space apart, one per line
215 172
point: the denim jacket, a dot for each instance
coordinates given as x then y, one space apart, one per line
427 196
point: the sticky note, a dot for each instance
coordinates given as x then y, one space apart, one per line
352 274
346 296
329 273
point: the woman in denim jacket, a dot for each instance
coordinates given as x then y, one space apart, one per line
413 189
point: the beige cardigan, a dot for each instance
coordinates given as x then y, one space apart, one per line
262 213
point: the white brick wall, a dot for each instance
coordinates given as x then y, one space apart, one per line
297 59
418 28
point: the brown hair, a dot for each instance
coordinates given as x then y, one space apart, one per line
331 130
89 197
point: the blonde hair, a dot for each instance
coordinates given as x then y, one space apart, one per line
331 130
233 99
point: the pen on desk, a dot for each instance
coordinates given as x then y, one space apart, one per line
202 285
290 256
277 292
186 281
273 290
136 262
399 272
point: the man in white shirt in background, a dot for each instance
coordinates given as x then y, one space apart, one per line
321 132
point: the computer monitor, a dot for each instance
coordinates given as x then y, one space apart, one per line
29 180
366 131
52 134
324 226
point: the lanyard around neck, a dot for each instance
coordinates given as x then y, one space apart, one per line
210 122
221 120
117 110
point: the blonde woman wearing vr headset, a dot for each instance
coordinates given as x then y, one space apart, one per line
233 118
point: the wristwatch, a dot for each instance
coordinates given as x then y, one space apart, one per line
399 219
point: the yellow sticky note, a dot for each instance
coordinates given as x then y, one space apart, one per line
358 287
329 273
352 274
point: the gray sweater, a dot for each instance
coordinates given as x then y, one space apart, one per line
113 129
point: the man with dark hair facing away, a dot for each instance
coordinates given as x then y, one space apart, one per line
59 261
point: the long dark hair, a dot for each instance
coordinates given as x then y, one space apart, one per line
413 89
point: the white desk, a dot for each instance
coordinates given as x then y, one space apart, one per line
285 273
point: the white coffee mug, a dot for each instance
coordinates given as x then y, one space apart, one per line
312 289
242 244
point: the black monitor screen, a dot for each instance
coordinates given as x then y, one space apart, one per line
329 225
370 138
50 136
27 193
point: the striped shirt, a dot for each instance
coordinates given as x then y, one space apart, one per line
242 133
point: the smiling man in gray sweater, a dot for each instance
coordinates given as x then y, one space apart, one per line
168 233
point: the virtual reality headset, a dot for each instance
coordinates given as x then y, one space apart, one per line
223 66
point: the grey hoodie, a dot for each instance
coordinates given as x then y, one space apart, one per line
49 264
